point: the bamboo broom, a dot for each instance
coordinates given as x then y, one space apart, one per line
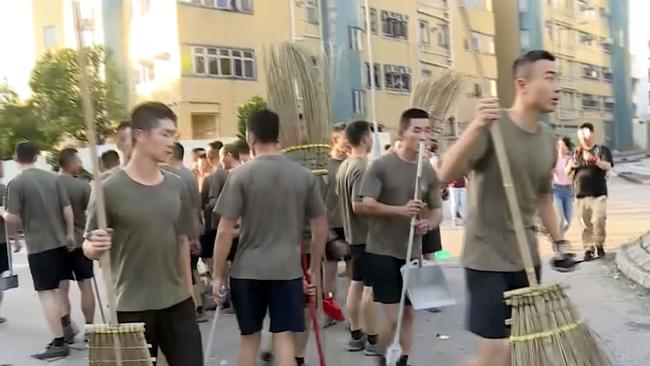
546 328
113 343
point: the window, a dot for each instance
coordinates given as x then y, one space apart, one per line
523 6
311 7
425 74
49 36
224 62
482 4
356 39
590 72
397 78
587 39
423 32
608 103
607 44
524 36
481 42
443 36
376 74
607 74
145 72
394 25
590 101
243 6
358 102
373 19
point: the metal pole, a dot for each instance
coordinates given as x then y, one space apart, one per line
376 149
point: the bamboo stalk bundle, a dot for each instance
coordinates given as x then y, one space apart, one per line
298 91
437 96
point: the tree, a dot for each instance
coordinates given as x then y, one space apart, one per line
244 111
57 96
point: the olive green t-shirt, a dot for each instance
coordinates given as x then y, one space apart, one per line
391 181
331 200
348 187
187 176
78 192
490 243
147 222
37 197
210 191
273 196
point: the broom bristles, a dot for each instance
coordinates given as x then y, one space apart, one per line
546 330
122 344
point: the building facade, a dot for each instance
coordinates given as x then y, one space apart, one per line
590 60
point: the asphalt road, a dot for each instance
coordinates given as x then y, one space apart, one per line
617 310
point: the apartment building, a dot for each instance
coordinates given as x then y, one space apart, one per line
579 33
409 40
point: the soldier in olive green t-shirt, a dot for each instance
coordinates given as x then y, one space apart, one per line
388 191
148 214
491 254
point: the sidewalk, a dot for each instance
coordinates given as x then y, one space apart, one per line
633 260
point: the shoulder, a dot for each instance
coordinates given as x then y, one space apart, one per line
383 161
171 177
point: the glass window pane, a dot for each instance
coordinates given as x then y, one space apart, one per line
238 67
199 64
213 66
236 53
198 50
226 69
224 52
212 51
248 54
249 70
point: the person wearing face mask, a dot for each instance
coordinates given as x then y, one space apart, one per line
589 168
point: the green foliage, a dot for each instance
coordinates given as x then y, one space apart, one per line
56 93
244 111
54 110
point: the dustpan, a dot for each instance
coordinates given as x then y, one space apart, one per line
427 286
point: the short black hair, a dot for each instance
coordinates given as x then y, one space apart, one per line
26 152
356 131
265 126
147 115
408 115
520 66
232 149
198 150
179 151
242 148
110 159
587 125
216 145
339 127
387 147
66 156
203 156
567 141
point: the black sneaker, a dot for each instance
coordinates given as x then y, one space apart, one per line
589 255
601 252
51 351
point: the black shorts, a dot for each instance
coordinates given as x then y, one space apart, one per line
173 329
48 268
207 243
284 300
487 310
79 266
334 253
431 241
359 264
4 258
386 278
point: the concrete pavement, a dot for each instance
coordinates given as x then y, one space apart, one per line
616 308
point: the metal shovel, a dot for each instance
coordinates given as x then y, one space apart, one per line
427 286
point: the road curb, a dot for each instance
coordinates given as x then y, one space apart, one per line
633 260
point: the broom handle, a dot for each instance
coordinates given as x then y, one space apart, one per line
504 166
104 260
409 249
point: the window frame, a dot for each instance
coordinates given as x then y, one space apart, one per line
359 101
424 34
312 13
221 56
377 72
397 78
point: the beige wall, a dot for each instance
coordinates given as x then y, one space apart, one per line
45 13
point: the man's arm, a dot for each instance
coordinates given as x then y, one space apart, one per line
547 214
68 218
184 262
471 144
11 218
222 246
372 207
319 232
